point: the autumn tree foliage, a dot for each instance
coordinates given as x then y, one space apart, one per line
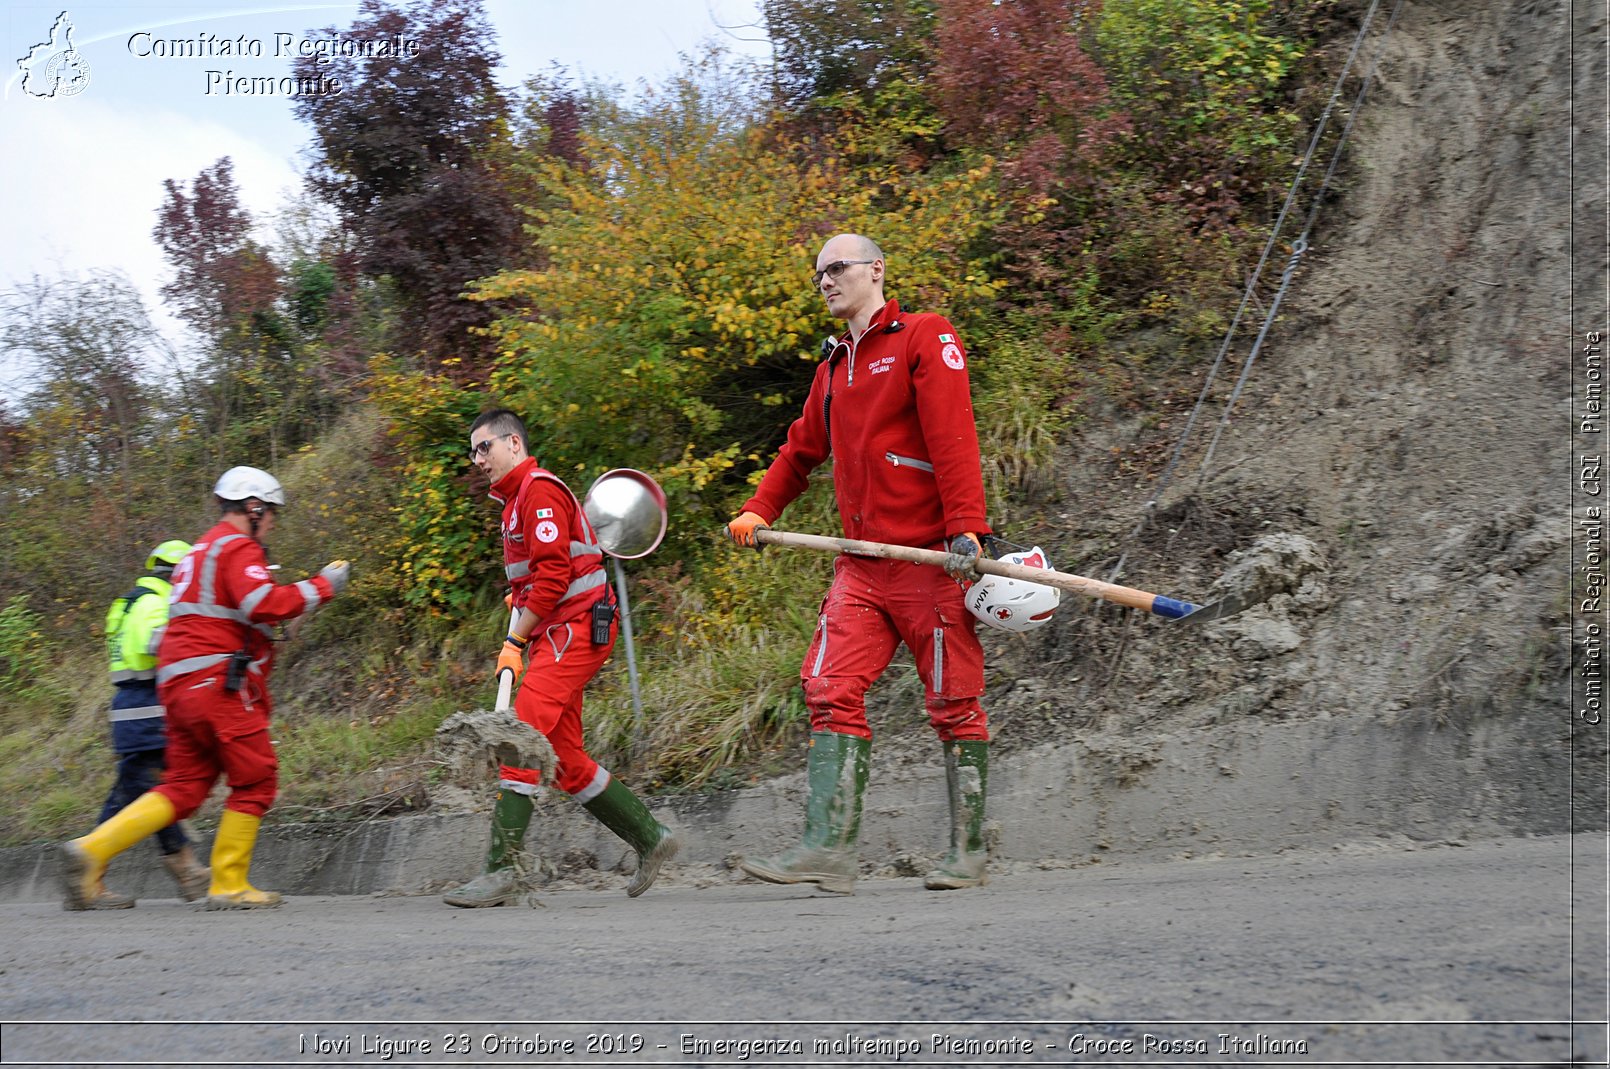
1204 81
90 448
411 152
673 326
831 49
1016 80
262 385
222 277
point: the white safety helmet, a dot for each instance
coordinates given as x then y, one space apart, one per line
1014 604
238 484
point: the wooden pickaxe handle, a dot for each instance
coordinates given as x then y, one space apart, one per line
1077 584
506 677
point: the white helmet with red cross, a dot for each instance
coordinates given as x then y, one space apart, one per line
1014 604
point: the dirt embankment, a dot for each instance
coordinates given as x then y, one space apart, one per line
1407 415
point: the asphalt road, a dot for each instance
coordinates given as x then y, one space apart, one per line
1486 953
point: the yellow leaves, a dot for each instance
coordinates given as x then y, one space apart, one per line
699 471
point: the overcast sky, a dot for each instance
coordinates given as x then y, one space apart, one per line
83 171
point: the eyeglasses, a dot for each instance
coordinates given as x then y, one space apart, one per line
835 269
482 448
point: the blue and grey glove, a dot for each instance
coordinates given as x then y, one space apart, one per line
960 561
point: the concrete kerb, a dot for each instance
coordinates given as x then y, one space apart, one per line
1244 788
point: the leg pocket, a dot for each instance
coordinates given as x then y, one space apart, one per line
955 660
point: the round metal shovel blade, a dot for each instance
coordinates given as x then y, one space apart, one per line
627 511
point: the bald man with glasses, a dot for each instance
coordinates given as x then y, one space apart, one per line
891 406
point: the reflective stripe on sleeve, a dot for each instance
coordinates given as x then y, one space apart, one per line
139 712
249 603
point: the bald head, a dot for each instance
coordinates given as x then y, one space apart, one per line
855 247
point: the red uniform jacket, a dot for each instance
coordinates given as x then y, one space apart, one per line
225 599
905 450
550 554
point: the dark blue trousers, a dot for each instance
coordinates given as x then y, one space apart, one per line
137 773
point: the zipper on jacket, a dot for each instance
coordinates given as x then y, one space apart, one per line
939 660
821 645
908 462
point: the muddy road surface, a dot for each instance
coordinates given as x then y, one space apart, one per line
1486 952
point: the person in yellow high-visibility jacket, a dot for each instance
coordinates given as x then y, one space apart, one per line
134 626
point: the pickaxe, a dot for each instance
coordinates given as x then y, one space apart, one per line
1155 604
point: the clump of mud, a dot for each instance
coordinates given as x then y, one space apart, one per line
1281 578
469 742
1275 564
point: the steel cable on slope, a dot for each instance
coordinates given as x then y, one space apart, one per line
1299 248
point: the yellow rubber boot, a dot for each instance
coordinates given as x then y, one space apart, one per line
84 860
231 858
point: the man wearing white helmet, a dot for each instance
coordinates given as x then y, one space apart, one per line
134 626
212 677
891 406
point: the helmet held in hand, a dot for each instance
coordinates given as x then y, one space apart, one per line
1014 604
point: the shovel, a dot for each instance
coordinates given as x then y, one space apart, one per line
469 738
1156 604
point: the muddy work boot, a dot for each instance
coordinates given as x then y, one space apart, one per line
191 877
84 860
499 884
966 778
624 813
106 898
837 772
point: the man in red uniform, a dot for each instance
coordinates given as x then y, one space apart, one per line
565 628
212 678
891 406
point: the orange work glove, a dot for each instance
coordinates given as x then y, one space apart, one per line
742 530
511 657
964 550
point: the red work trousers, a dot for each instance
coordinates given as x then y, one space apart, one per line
872 606
212 732
560 662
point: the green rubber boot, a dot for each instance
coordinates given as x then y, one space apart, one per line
624 813
826 855
966 779
499 883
